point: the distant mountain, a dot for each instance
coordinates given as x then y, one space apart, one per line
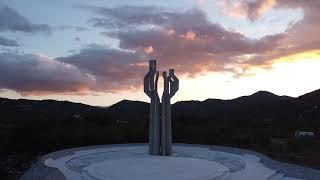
260 105
130 106
13 111
263 96
73 118
129 110
260 99
52 105
253 122
312 97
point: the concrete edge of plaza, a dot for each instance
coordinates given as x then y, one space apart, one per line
39 171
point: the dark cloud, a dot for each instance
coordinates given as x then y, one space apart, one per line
93 68
76 28
8 42
114 69
77 39
72 51
65 27
80 29
32 74
11 20
190 43
124 16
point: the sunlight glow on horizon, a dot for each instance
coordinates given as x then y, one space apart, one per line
291 75
95 52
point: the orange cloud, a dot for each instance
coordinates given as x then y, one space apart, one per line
236 9
143 64
247 9
169 32
264 6
148 49
189 35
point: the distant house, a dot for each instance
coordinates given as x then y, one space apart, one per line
77 116
303 134
121 122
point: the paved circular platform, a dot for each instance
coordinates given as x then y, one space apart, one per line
192 162
157 168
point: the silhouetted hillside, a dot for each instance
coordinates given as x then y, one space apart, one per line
130 109
259 106
312 97
262 121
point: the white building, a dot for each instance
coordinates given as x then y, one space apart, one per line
303 134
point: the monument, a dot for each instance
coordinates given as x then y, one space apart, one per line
130 161
160 132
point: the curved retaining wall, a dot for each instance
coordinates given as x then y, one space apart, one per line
39 171
291 170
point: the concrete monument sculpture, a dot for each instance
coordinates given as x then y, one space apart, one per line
151 89
160 133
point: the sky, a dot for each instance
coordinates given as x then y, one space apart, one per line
96 52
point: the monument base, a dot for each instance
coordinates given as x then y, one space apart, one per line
192 162
157 168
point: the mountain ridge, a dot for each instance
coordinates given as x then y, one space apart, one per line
37 127
260 93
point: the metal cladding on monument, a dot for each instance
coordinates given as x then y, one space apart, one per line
160 131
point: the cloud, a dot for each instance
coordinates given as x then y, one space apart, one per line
11 20
190 47
80 29
184 40
191 43
300 36
76 28
125 16
95 68
113 69
201 2
8 42
38 74
247 9
305 31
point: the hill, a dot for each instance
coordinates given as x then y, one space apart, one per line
262 121
311 98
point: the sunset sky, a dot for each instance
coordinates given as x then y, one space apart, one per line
96 51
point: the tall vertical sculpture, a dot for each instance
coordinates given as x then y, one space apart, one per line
160 133
151 89
171 86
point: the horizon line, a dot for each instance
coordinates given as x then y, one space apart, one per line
148 102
